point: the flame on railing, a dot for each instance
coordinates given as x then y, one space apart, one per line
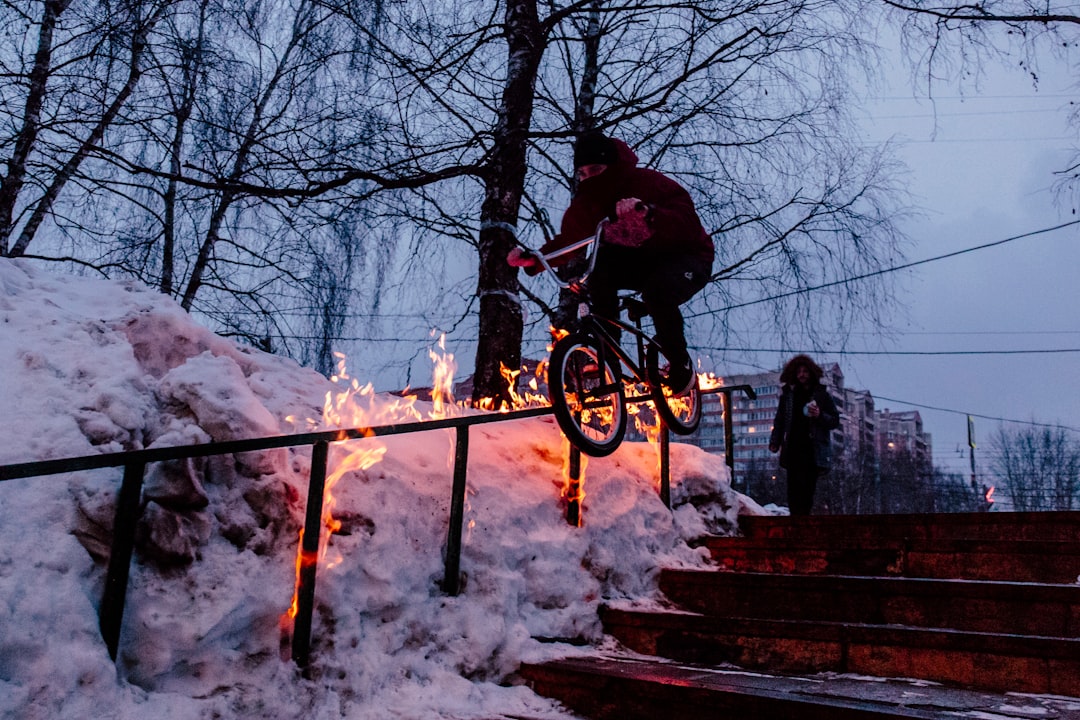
442 388
520 398
573 488
647 420
303 559
356 405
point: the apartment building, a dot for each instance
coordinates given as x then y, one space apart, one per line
904 431
862 429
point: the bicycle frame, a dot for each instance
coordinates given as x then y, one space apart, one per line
595 326
595 323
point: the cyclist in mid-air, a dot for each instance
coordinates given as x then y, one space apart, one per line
654 243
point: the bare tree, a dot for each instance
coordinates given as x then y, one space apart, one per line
68 101
744 102
954 494
1038 467
851 486
212 166
267 138
906 481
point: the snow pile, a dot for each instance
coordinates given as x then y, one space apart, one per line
90 366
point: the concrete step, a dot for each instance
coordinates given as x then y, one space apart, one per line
630 688
993 662
1038 561
1060 526
976 606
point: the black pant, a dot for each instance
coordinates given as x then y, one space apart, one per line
665 282
801 485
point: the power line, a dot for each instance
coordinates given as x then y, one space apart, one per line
971 98
884 271
1010 139
1056 426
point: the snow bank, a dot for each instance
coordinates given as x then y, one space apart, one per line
91 366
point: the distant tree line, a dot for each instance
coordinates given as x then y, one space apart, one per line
1037 467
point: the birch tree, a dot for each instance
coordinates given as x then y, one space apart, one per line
86 61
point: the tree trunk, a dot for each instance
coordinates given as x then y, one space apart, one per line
13 180
501 323
60 180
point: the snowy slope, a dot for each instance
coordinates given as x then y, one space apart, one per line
89 365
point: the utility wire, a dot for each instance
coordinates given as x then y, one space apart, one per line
884 271
1055 426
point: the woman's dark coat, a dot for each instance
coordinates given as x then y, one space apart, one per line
821 427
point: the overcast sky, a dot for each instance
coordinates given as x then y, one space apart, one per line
982 168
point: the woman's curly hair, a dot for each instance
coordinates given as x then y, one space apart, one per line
789 375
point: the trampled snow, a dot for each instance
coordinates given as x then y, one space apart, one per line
93 366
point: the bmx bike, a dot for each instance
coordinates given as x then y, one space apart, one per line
589 370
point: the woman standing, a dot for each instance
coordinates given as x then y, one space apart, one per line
805 419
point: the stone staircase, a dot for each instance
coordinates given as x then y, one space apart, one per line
940 615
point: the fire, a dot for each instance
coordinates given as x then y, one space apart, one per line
356 406
303 560
574 482
708 381
648 422
990 495
442 389
520 398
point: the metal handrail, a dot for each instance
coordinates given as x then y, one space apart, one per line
134 463
93 462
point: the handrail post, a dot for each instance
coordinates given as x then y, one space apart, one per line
123 544
729 431
665 464
452 576
729 436
309 555
573 488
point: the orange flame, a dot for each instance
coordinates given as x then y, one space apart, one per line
303 559
357 406
574 487
648 422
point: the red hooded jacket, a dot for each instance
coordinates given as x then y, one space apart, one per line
672 218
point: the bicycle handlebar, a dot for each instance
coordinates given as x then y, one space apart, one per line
591 243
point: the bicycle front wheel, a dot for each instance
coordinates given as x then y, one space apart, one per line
588 399
682 413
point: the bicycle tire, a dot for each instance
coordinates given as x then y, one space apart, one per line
594 422
683 413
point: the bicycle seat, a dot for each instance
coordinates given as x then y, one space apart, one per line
634 306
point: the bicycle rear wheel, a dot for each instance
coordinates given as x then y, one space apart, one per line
681 413
588 400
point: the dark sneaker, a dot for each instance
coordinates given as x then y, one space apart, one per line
681 379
